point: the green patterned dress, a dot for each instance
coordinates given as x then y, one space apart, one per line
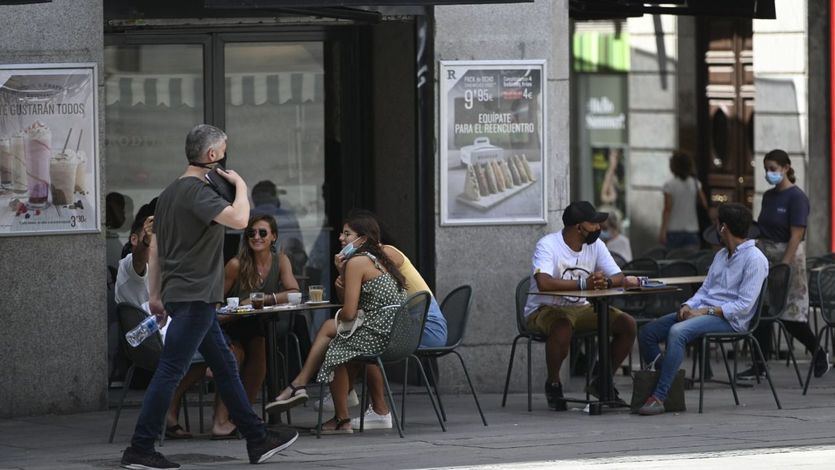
372 336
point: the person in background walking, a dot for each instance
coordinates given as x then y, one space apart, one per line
680 222
782 223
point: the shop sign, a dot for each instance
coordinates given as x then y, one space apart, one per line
493 151
48 149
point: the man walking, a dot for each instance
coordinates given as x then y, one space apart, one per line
187 278
726 302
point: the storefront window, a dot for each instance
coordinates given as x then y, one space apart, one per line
153 96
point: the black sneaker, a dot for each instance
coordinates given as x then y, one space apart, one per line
553 393
275 442
821 361
751 374
138 460
594 390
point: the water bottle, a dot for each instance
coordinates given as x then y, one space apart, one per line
143 330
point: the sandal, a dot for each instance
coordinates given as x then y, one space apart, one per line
338 427
176 432
233 434
298 395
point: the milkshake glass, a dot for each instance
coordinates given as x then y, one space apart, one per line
62 176
18 170
38 154
81 172
6 163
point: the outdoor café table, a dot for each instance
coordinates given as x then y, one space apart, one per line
600 301
681 280
273 314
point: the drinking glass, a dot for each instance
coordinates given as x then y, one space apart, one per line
316 293
257 300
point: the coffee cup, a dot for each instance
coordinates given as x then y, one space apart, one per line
233 302
294 298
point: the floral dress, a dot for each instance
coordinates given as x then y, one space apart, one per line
372 336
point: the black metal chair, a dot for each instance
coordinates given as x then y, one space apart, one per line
522 289
777 291
703 263
145 356
681 253
825 290
722 338
658 252
406 331
641 267
456 309
619 260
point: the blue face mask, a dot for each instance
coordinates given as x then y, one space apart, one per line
774 177
605 235
348 250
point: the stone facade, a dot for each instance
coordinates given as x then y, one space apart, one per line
53 309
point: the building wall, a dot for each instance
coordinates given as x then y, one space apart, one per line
53 309
653 122
493 258
818 184
781 80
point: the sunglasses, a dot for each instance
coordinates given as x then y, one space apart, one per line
262 232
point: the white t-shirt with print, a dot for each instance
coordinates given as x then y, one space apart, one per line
555 258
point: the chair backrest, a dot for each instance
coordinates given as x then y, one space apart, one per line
658 252
641 267
681 253
703 263
777 290
662 304
619 260
146 355
758 308
456 310
407 327
522 289
826 294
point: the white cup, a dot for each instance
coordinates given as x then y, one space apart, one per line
294 298
233 302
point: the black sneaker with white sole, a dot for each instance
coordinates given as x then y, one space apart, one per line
275 442
138 460
555 397
751 374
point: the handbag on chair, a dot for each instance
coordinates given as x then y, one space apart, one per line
345 328
643 383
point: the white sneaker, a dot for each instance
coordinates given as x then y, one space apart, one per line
373 420
327 403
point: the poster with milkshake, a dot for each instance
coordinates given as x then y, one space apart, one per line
48 149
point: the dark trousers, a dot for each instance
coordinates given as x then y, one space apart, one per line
797 329
195 326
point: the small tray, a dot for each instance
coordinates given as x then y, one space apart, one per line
486 202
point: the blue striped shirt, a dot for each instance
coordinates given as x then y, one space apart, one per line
733 284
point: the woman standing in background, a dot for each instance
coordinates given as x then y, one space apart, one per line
680 222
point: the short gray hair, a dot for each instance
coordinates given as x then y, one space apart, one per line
201 139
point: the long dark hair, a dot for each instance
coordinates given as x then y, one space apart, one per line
681 165
365 224
248 273
781 158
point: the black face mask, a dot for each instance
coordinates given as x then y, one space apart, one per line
592 237
218 164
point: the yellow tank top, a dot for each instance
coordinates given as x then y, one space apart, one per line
414 281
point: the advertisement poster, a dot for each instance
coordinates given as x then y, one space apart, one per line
492 153
48 149
608 164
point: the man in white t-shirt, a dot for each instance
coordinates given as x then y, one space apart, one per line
575 259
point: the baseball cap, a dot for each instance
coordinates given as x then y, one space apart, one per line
582 211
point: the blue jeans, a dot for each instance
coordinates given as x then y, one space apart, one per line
196 326
677 334
677 240
434 330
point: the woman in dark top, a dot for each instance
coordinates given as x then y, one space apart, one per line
256 268
782 223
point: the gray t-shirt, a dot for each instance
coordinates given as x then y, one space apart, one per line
190 244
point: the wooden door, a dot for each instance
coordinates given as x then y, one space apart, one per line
727 115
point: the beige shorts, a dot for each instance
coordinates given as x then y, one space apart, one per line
582 317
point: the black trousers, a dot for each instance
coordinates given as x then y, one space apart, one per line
797 329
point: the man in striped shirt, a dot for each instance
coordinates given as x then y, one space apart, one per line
726 302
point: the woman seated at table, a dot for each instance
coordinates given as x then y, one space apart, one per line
371 282
256 268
